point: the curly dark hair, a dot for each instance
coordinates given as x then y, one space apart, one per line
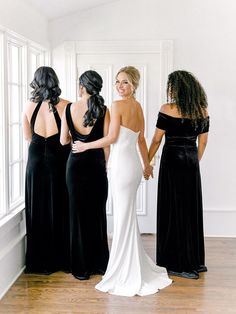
45 86
185 91
92 82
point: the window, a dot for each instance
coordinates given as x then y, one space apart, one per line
16 95
18 62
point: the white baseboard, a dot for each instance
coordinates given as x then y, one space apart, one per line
11 283
220 222
12 251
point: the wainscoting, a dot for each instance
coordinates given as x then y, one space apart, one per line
12 250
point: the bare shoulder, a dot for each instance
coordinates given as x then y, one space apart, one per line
29 106
117 104
170 110
166 108
139 108
63 102
206 114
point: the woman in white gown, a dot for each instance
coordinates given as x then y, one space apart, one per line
130 270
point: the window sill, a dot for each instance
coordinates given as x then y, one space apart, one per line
12 214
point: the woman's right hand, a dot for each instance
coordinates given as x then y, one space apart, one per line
79 147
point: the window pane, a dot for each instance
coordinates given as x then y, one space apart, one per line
14 64
15 138
14 104
15 182
33 65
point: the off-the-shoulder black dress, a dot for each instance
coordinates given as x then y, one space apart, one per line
180 237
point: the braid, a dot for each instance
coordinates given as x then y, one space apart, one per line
96 109
92 81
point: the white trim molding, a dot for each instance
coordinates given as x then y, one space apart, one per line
220 222
12 250
72 48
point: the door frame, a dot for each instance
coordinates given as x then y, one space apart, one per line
163 49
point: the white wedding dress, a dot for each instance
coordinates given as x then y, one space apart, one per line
130 270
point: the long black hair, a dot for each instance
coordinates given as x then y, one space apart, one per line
92 82
185 91
45 86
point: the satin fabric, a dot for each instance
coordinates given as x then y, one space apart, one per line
180 236
130 270
86 179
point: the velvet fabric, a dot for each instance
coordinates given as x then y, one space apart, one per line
180 236
46 202
87 184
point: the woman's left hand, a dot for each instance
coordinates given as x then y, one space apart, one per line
147 172
78 147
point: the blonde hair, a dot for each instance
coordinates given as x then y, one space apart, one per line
133 76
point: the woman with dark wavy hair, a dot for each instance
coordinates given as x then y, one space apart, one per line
46 201
183 120
87 120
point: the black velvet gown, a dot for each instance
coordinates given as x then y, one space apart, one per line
180 238
46 203
87 185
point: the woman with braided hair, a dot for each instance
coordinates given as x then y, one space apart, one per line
183 120
86 177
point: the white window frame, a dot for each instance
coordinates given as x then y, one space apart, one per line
27 49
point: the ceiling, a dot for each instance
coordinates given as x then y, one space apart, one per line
53 9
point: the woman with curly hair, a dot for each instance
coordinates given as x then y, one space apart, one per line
183 120
46 199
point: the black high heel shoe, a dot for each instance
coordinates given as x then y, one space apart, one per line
84 277
189 275
201 269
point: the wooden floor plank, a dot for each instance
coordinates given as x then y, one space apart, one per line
59 293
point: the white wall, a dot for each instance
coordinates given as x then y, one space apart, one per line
205 44
20 17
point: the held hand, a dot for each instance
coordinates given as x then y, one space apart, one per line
78 147
148 171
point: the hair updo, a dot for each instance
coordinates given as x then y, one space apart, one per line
45 86
92 82
133 76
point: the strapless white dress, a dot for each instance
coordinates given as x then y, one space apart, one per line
130 270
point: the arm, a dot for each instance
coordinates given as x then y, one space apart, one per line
144 151
110 138
105 132
156 141
65 137
26 128
202 142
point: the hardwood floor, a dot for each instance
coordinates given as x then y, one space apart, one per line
214 292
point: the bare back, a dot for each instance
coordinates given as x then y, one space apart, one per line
78 110
131 114
45 123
